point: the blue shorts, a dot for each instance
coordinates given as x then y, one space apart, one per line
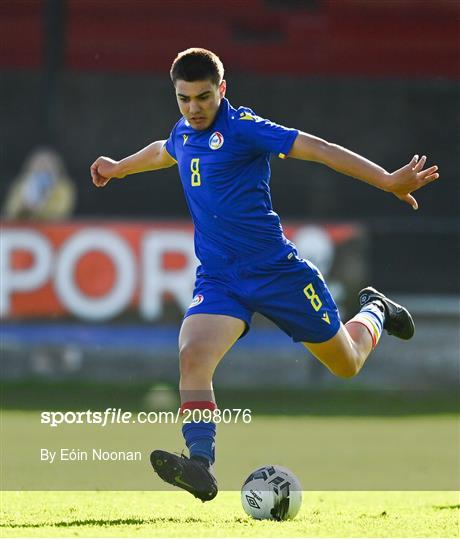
288 290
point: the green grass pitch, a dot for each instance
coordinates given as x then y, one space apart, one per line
407 439
177 514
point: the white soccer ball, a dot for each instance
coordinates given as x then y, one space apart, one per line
271 492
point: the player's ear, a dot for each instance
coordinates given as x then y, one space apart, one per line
222 88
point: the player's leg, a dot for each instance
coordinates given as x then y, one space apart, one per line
204 339
300 303
345 353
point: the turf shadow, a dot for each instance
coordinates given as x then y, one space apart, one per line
102 522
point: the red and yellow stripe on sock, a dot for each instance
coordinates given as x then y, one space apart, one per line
371 317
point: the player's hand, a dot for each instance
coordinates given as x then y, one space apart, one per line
103 169
411 177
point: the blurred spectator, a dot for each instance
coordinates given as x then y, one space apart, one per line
42 191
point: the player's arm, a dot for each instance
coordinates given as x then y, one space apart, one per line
151 158
401 182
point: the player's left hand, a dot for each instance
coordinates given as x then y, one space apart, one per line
411 177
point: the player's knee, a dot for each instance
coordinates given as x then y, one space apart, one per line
192 358
345 370
346 367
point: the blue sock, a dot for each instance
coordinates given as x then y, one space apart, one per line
200 439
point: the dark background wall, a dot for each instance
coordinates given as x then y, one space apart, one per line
114 115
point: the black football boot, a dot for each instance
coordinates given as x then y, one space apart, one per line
398 321
192 474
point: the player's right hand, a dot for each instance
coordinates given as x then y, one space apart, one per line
103 170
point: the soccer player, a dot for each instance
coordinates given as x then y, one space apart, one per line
247 264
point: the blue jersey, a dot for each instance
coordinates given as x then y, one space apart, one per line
225 173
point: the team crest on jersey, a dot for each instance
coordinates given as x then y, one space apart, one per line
197 300
216 140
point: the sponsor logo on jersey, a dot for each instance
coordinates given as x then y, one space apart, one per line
325 318
185 138
216 140
197 300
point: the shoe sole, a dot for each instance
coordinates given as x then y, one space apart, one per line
171 473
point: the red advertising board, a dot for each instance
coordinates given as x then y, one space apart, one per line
99 270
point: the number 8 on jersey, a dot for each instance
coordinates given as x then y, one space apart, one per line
195 169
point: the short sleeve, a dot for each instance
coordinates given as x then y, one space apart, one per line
169 144
263 134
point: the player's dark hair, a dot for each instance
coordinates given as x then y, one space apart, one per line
197 64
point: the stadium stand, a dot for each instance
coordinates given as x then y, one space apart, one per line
21 28
326 37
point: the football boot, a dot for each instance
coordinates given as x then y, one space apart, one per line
398 321
192 474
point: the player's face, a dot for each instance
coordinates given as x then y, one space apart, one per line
199 101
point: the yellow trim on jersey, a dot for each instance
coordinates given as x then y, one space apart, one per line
247 116
282 156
